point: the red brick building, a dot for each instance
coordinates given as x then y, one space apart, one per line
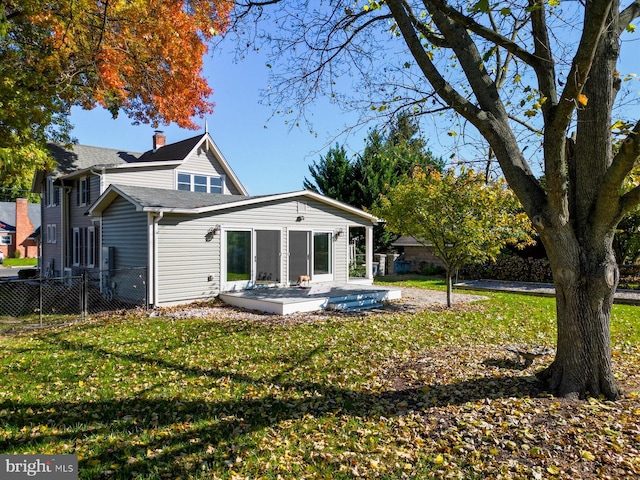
19 221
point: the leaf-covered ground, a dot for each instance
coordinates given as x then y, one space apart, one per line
405 393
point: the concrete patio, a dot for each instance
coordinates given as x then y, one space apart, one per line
288 300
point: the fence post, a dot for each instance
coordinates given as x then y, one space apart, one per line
41 294
84 293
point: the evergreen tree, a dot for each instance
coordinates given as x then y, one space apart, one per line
387 156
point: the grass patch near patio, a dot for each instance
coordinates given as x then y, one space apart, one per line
392 395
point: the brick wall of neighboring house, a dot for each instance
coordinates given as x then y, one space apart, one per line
420 257
20 240
24 228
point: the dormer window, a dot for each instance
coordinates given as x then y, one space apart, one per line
194 182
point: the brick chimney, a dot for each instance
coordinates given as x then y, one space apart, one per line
159 140
24 228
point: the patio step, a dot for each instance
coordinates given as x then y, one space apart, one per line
355 302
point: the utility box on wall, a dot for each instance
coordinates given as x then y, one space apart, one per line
108 258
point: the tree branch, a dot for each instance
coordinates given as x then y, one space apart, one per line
609 203
526 125
596 14
628 15
545 67
488 34
628 202
401 13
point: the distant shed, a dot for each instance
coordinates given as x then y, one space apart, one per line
417 255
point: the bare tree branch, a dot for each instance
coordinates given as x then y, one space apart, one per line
628 15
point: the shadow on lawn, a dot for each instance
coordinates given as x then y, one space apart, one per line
214 432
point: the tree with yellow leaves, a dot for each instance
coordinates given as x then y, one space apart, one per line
462 217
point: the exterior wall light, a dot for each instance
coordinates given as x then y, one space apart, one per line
212 232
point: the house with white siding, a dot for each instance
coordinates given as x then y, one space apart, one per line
180 213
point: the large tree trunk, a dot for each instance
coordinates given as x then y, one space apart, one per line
585 279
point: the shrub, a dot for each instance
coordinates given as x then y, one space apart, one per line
630 276
17 254
27 273
429 269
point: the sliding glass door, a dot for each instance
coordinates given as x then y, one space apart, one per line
238 259
299 255
311 254
322 256
267 257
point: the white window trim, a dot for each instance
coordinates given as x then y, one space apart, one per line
51 193
324 277
52 233
91 247
84 183
5 237
192 176
75 247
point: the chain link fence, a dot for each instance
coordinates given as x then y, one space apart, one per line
71 298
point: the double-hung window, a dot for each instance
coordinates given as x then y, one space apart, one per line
82 191
52 233
84 246
51 193
200 183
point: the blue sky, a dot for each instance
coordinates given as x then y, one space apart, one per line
267 155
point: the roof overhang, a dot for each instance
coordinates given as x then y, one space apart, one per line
100 169
112 192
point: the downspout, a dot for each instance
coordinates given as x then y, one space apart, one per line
64 235
152 261
100 175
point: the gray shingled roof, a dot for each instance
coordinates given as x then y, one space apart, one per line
79 157
168 199
8 214
172 151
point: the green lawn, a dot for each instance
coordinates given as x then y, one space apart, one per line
395 395
20 262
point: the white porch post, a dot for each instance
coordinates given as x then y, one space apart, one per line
369 253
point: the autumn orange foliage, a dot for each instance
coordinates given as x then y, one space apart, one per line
142 56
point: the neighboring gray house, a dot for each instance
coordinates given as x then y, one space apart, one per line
180 212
